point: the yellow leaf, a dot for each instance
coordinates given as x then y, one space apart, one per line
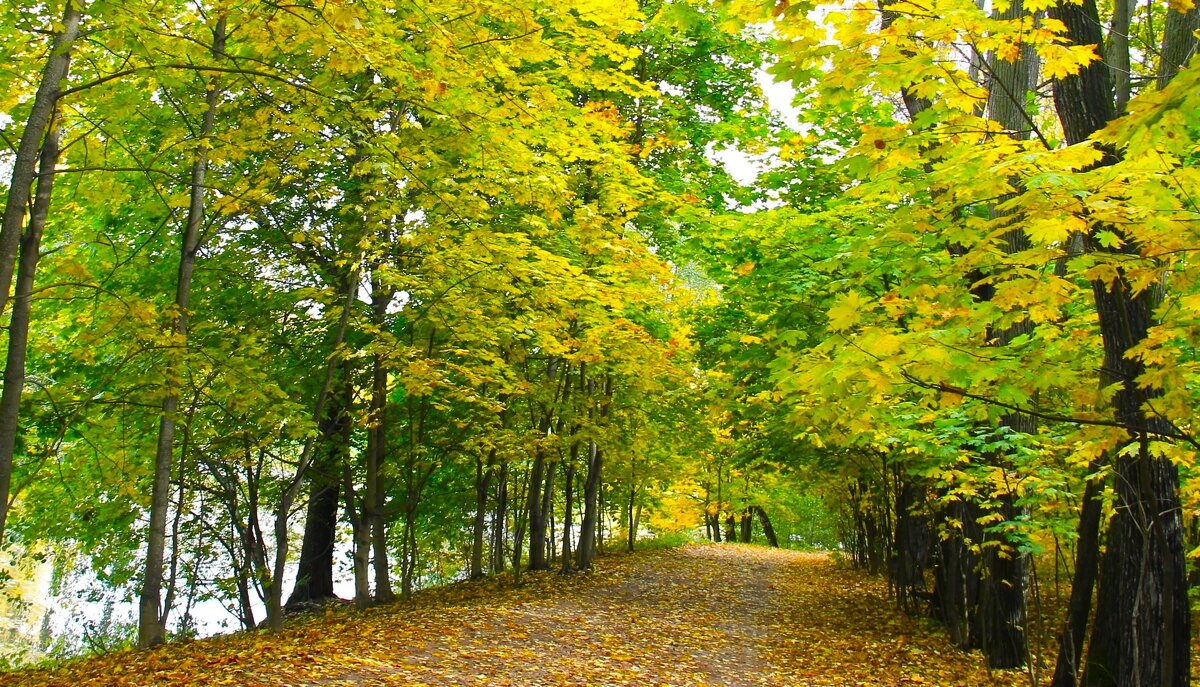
846 313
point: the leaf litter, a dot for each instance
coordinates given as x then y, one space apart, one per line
697 616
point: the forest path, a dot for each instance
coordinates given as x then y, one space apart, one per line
729 615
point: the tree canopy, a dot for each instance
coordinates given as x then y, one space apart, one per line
418 292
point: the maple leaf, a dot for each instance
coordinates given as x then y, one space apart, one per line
846 311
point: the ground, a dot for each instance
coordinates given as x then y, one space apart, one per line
699 615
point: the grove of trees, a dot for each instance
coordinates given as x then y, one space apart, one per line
466 284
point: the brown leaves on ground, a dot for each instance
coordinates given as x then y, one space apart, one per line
700 615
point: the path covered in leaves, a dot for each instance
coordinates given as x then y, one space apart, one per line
701 615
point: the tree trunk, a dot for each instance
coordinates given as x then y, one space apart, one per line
547 510
273 583
1002 597
1001 608
746 527
591 487
956 593
569 497
537 519
768 530
500 520
376 453
630 507
591 493
314 574
1141 632
483 479
730 528
18 328
912 544
519 529
1116 53
151 617
24 164
1087 558
360 539
409 563
1179 43
637 516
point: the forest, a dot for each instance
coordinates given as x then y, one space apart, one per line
356 298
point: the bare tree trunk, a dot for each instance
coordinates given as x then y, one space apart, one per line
376 452
547 509
533 506
358 508
1116 52
539 496
1087 559
483 479
409 564
591 491
360 538
768 530
152 618
631 504
314 570
519 529
1179 43
500 520
567 514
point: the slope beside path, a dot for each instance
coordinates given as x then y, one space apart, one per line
699 616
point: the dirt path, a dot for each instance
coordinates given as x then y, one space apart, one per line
702 615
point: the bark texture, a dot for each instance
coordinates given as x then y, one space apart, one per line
1141 632
151 616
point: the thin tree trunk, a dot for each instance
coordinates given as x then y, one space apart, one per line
151 617
913 543
360 537
483 479
500 520
768 530
358 509
519 529
376 452
539 493
591 490
1087 558
18 329
567 511
547 510
1116 52
409 569
24 164
637 516
630 505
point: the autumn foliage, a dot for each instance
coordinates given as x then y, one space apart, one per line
698 616
361 298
